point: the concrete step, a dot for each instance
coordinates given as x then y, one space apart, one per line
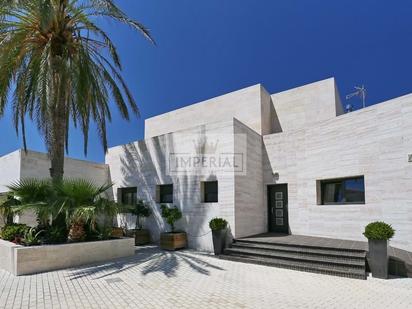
315 259
301 246
305 251
341 271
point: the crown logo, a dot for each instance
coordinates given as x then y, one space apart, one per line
202 146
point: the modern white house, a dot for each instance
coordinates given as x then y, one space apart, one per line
291 162
300 165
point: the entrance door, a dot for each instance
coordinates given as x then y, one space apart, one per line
278 208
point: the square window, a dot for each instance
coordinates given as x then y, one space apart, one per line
349 190
164 193
209 191
127 196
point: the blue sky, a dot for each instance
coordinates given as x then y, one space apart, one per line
208 48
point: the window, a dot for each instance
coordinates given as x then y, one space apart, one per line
209 192
164 193
128 196
343 191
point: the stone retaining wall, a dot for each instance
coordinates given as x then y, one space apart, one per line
20 260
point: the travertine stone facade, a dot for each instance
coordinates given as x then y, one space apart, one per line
374 142
298 137
21 260
246 105
143 165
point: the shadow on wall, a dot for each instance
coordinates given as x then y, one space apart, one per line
148 260
138 169
143 165
196 215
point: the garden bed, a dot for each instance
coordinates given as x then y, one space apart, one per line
21 260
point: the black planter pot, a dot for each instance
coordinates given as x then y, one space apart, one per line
219 241
378 258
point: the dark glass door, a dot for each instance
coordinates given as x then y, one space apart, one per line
278 208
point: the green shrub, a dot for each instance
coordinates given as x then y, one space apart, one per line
56 235
379 231
104 232
11 231
217 224
140 210
171 215
32 237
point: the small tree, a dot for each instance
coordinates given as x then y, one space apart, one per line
140 210
171 215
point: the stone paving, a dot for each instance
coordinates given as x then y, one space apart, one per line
188 279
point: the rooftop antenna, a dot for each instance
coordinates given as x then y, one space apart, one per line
360 92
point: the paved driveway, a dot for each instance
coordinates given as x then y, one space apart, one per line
186 279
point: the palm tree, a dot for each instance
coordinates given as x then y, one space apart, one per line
80 202
62 68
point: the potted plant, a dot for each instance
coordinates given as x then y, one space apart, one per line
219 230
172 240
117 232
378 234
140 210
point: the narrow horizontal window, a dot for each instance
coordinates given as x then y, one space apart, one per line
165 193
210 191
350 190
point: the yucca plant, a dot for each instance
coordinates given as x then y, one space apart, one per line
32 237
60 68
80 202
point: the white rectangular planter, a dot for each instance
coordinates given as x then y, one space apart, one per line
20 260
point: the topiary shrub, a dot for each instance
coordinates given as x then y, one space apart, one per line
379 231
140 210
171 215
217 224
12 231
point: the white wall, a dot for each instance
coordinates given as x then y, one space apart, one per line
244 105
304 106
143 164
250 210
37 165
9 169
374 142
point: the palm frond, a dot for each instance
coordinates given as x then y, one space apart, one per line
62 67
76 199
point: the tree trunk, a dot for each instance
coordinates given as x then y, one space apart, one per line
58 127
57 143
